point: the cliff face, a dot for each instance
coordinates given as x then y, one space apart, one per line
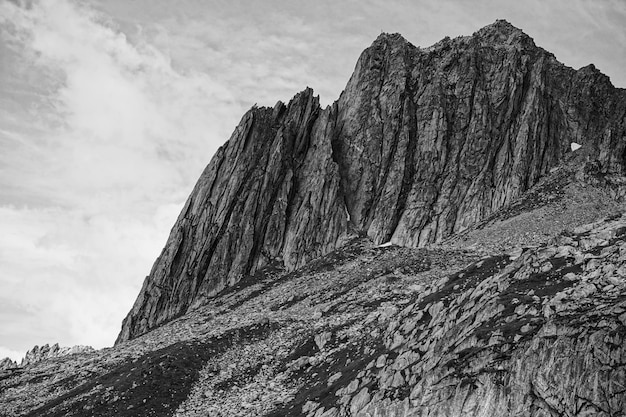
422 144
271 194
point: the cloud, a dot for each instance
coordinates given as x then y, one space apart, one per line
114 103
102 141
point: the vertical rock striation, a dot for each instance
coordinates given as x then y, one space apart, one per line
270 194
422 144
430 141
37 353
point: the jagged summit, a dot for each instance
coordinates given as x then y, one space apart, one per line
385 37
417 148
502 32
40 353
500 26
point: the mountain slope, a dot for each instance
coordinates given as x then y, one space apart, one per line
422 144
369 330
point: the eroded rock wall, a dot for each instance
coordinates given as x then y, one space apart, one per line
422 144
270 195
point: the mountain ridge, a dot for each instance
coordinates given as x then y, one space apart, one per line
419 146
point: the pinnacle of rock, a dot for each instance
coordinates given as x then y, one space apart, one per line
7 363
39 353
390 38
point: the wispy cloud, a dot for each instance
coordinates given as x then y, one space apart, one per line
102 140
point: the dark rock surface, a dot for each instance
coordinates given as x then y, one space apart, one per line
270 196
422 144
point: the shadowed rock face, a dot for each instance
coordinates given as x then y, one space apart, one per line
422 144
271 194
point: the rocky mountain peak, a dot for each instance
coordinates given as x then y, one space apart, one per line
7 363
420 146
502 34
500 27
389 39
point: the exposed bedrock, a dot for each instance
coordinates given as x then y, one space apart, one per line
423 143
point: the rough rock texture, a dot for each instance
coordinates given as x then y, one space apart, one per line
374 331
543 336
7 363
422 144
427 246
269 196
46 351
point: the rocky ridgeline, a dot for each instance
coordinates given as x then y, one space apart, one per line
46 351
7 363
421 144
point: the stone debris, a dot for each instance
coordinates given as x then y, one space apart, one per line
482 336
7 363
421 145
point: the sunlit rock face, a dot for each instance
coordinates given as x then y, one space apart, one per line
37 354
46 351
7 363
421 145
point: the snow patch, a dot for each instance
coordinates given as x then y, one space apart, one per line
575 146
385 245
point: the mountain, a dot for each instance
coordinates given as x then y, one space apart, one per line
7 363
37 354
422 144
46 351
434 244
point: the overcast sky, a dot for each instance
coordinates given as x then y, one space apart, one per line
109 111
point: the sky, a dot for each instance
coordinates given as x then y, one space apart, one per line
110 109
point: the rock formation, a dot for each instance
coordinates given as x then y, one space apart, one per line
46 351
422 144
430 245
37 354
7 363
